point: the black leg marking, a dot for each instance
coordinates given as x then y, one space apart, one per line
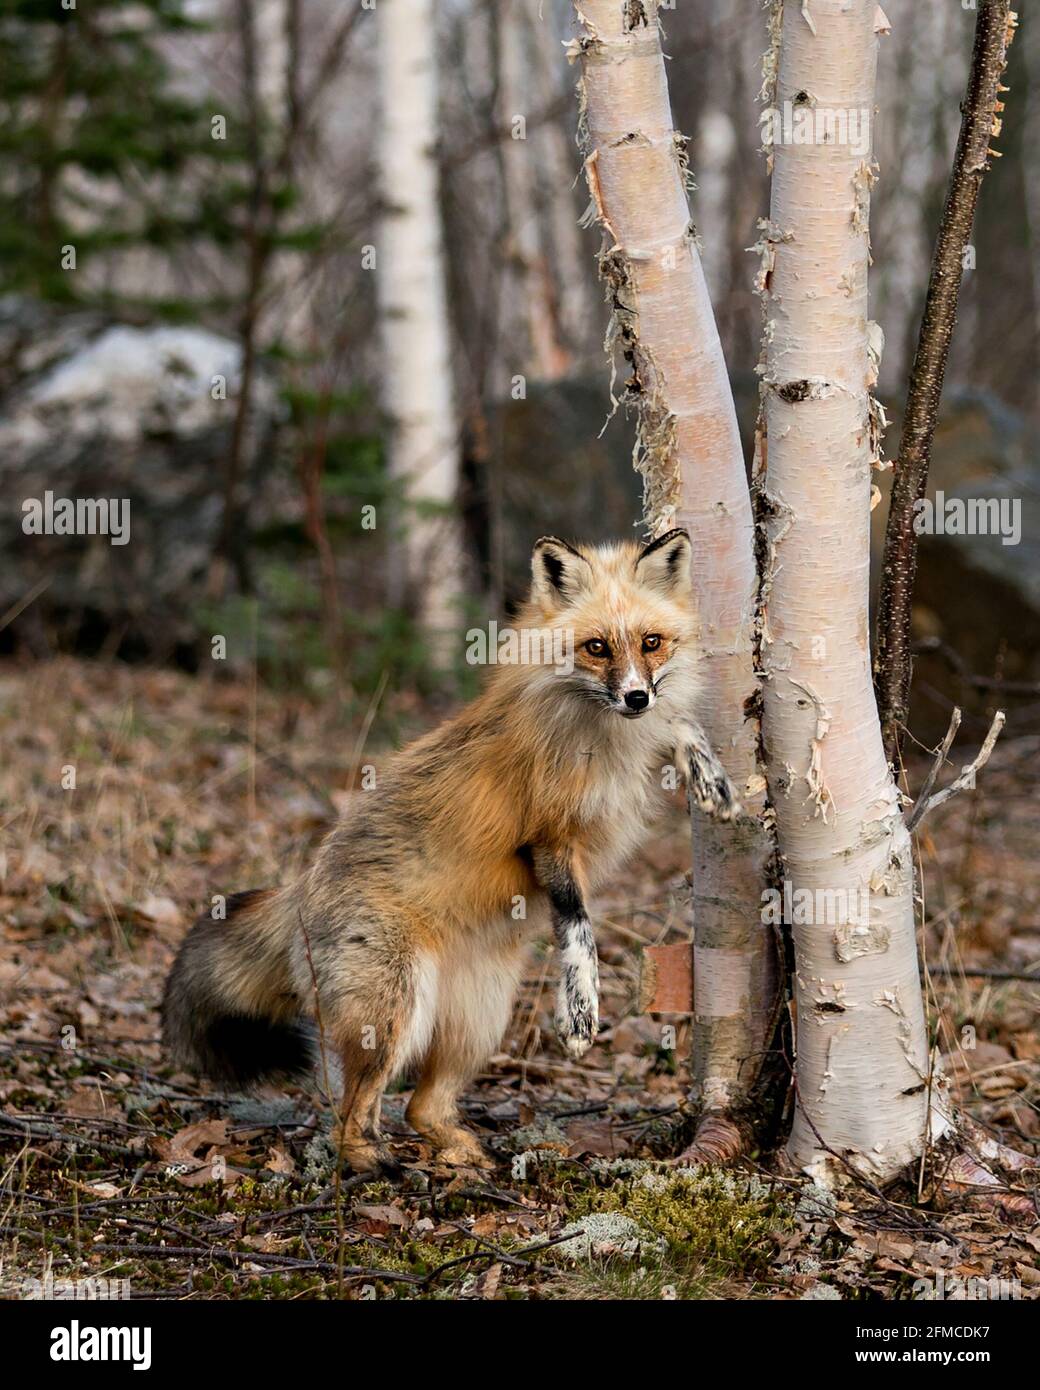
577 995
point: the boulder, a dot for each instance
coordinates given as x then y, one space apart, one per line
128 422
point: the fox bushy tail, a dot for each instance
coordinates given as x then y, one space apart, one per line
230 1011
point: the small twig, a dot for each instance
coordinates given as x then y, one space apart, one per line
492 1248
232 1257
284 765
965 781
598 1108
493 1254
476 1194
948 972
321 1203
941 756
937 647
51 1132
81 1054
20 605
102 1206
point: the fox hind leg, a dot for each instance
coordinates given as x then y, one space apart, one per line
369 1036
367 1073
475 1001
433 1111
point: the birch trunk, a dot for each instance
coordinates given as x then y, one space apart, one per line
559 161
689 453
862 1055
549 358
413 314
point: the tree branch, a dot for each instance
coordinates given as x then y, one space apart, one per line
980 122
965 781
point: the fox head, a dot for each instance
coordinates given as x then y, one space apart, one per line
625 610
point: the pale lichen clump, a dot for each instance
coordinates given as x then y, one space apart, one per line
603 1232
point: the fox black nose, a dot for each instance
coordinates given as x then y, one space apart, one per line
637 699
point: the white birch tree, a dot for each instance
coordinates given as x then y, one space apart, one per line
689 453
413 314
557 158
548 358
864 1087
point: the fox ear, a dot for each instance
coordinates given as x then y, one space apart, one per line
558 572
664 565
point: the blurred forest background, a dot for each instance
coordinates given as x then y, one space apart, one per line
227 265
215 164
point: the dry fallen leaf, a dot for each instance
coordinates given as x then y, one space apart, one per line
184 1145
486 1226
487 1284
89 1102
279 1160
379 1220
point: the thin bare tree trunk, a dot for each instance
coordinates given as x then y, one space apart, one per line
979 125
913 91
560 162
548 357
230 548
417 374
864 1090
689 453
1031 167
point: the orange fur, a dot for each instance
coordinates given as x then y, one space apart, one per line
412 920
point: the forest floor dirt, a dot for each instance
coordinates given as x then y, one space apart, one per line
115 1167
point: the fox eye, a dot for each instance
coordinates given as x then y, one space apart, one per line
651 642
596 646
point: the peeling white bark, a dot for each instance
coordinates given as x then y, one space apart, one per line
690 456
862 1055
413 313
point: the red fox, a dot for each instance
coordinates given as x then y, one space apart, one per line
404 940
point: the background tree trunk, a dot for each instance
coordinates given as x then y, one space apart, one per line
980 124
413 317
864 1087
547 357
689 453
558 159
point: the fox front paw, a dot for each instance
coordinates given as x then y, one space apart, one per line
577 1020
713 792
577 995
706 780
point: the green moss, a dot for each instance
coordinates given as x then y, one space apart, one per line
412 1257
725 1221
